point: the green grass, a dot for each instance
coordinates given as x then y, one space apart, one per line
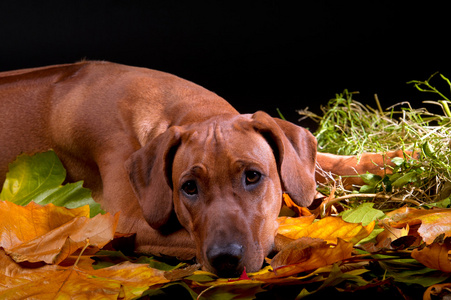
348 127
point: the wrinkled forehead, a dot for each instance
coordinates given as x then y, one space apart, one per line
226 139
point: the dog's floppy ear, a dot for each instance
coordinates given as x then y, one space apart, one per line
149 171
295 151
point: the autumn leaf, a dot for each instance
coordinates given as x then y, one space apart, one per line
49 233
36 233
126 280
432 223
435 255
288 225
328 229
297 251
390 234
313 253
298 210
437 290
307 254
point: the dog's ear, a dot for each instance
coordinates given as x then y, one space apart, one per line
295 151
149 171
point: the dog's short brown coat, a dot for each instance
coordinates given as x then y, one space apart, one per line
189 174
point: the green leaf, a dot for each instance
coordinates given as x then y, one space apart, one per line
159 265
371 179
39 178
398 161
32 178
173 290
410 271
366 189
105 258
445 203
429 150
364 214
407 178
336 277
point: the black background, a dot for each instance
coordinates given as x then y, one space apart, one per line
259 55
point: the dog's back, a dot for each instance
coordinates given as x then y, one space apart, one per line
24 99
79 109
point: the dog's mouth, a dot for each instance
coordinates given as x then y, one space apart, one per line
230 260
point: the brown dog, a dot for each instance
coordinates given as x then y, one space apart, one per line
190 175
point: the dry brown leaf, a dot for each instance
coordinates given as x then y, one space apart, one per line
297 251
435 256
437 290
309 254
36 233
433 222
390 234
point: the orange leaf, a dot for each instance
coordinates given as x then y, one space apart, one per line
299 210
49 233
433 222
390 234
19 224
328 229
435 256
306 254
297 251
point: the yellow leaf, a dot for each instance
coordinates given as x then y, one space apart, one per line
289 225
49 233
328 229
126 280
19 224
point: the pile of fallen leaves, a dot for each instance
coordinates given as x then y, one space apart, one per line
56 243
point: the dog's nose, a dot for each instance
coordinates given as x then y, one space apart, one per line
226 260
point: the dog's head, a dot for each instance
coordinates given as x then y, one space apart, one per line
224 180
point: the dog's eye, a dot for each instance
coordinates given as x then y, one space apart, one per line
190 187
252 177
